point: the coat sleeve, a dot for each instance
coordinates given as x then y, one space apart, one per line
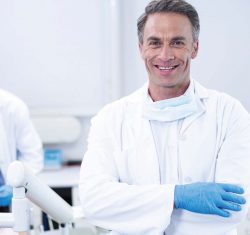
232 166
114 205
233 162
233 159
28 143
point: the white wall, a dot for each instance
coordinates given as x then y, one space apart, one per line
56 55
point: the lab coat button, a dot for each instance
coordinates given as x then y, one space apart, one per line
188 179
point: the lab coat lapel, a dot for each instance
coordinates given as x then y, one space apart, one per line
200 94
190 119
146 152
145 160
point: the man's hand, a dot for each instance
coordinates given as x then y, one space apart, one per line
209 198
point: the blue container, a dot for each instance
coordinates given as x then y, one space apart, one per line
52 159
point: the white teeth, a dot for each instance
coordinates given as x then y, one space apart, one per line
165 68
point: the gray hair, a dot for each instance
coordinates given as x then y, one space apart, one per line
169 6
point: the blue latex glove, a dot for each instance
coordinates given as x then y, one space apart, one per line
209 198
5 195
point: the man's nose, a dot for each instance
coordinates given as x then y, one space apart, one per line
166 53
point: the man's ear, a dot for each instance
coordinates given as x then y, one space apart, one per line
195 49
141 50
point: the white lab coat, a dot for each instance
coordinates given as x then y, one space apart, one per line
120 183
18 138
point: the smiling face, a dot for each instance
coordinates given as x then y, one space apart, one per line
167 50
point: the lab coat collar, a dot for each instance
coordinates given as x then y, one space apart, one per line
140 94
200 90
190 119
201 93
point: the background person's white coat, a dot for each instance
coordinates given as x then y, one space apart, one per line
18 138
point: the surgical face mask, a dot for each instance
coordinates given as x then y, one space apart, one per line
171 109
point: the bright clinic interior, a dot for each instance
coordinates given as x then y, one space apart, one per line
66 59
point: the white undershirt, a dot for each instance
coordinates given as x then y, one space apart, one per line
166 135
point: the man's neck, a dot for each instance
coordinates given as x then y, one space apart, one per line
163 93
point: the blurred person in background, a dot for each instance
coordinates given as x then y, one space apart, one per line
18 141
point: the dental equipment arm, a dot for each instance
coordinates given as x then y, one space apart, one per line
26 184
39 193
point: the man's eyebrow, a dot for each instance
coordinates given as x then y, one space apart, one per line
153 38
181 38
177 38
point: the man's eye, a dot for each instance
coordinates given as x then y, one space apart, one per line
154 43
178 44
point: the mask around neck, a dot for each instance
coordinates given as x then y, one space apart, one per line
171 109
